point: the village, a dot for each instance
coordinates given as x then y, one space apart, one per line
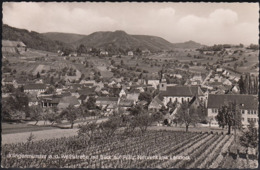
130 85
110 91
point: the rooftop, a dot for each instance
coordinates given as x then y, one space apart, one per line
244 101
107 99
182 91
34 86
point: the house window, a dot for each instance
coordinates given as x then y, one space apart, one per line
243 111
254 111
214 110
248 119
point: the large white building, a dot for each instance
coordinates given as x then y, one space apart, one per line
180 93
248 105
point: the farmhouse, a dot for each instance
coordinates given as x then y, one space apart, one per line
11 81
130 53
180 93
133 96
248 105
50 101
29 88
107 103
102 52
125 103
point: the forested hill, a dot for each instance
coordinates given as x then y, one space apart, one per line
188 44
63 37
31 39
113 40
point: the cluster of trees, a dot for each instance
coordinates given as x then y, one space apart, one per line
253 46
220 47
15 107
188 114
248 84
140 118
137 119
71 113
229 115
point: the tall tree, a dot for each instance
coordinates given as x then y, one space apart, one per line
91 103
38 75
36 113
241 85
81 49
249 137
146 96
229 115
70 113
187 115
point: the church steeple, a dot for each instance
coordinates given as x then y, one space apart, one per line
163 83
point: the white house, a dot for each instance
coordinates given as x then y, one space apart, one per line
248 105
154 83
227 82
103 52
130 53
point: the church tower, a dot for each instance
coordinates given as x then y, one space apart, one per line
163 84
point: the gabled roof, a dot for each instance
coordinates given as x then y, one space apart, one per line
126 103
55 100
179 91
156 101
63 105
32 98
34 86
115 99
244 101
82 97
70 100
86 91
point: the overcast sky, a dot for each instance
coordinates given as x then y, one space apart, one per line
207 23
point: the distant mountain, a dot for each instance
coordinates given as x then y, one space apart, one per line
31 39
122 40
64 37
188 44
